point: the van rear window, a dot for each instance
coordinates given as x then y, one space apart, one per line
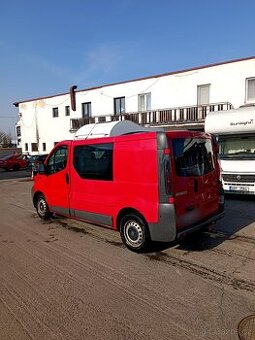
94 161
193 157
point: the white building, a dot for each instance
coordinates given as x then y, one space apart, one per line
178 99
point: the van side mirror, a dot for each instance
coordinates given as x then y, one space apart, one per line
42 170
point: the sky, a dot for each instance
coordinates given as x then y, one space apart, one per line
49 45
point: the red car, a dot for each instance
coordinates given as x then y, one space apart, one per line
13 162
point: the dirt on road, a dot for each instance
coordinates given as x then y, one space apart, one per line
64 279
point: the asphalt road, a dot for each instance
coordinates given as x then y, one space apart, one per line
14 174
64 279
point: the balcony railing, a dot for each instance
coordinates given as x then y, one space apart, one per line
184 116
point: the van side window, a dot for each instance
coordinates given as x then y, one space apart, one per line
94 161
193 157
57 161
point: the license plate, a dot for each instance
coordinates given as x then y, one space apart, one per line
238 188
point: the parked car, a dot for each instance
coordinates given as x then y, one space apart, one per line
13 162
34 162
150 185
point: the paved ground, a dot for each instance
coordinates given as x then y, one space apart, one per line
14 174
69 280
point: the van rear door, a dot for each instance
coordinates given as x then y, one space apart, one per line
195 178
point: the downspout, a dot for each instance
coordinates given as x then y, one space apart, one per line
73 98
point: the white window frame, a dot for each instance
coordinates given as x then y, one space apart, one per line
199 94
144 102
86 109
249 99
55 112
119 104
67 110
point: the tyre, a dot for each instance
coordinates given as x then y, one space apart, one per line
42 208
134 232
16 167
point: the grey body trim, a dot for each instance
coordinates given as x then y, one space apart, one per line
165 229
60 210
162 144
105 220
100 219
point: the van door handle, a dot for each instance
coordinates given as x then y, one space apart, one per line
190 208
67 178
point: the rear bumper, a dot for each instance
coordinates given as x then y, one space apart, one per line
165 229
191 229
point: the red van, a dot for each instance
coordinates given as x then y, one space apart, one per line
149 185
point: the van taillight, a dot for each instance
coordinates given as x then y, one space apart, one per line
171 200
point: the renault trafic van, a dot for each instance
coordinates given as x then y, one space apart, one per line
149 185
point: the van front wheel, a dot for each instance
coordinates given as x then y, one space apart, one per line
134 232
42 208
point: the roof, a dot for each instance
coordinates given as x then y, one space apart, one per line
241 120
138 79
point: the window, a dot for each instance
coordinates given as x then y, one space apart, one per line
55 112
34 147
26 146
67 110
239 147
250 90
203 94
193 157
94 161
18 131
144 102
119 105
86 109
44 146
57 160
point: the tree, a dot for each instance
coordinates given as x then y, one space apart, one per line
5 140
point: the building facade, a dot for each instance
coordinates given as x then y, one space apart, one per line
178 99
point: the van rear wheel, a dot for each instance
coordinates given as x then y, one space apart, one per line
134 232
42 208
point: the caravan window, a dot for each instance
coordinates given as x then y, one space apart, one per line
193 157
94 161
237 147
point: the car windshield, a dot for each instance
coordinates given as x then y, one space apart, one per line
237 147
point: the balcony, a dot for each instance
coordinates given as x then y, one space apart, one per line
191 117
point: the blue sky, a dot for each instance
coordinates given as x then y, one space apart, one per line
47 46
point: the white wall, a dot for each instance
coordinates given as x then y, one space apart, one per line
175 90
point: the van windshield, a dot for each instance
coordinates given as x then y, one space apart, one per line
193 157
238 147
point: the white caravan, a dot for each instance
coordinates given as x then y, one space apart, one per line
235 130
